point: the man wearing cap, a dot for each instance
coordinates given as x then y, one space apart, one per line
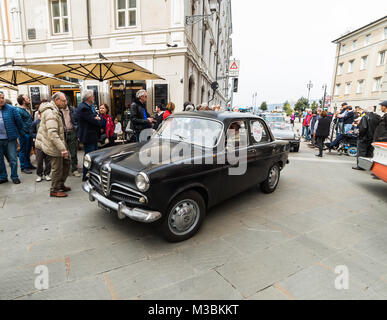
367 127
381 130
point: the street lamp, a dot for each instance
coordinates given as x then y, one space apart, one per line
190 20
309 86
325 94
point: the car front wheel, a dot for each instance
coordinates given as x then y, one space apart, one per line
184 217
271 182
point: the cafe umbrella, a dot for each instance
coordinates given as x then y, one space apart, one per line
18 75
98 70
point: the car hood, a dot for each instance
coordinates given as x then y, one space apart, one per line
144 156
283 134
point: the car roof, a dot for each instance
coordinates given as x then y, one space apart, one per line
213 115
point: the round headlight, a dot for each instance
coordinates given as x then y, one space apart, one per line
142 182
87 162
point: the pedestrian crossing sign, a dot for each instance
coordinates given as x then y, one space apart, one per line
233 70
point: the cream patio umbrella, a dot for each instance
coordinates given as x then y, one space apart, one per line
98 70
18 75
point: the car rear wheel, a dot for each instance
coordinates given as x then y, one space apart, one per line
271 183
184 217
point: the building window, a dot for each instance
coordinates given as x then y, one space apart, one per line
360 86
347 88
377 84
367 40
60 17
363 64
350 66
337 89
385 33
340 69
354 44
342 51
381 58
126 13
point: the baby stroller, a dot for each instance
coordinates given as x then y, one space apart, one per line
348 145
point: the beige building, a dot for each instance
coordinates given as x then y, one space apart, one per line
156 34
360 74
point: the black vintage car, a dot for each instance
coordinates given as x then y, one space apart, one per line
193 162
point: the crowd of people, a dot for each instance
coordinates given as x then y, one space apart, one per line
55 131
364 125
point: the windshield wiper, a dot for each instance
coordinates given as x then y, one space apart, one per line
180 137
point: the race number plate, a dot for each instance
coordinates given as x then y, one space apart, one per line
103 207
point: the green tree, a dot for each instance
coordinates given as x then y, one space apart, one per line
288 108
264 106
314 105
301 104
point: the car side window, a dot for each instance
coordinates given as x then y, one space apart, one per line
237 135
258 132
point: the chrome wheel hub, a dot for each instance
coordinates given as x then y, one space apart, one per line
273 177
184 217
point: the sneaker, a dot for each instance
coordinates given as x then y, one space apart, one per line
47 178
16 181
76 174
26 171
39 179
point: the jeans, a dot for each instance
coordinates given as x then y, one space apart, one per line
347 128
10 148
89 148
338 139
307 133
25 151
303 132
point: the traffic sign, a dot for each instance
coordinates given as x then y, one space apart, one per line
234 67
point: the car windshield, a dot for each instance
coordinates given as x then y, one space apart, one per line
271 118
198 131
280 126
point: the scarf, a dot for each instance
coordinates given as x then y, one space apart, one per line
109 126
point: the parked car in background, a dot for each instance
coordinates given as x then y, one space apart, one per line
178 193
285 131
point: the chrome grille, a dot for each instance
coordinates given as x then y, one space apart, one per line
127 195
95 180
105 179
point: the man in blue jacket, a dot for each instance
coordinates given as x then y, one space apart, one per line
90 125
25 138
11 126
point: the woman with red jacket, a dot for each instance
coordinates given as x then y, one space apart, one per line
108 131
170 108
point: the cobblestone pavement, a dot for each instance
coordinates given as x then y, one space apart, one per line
281 246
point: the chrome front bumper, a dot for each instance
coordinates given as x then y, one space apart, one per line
123 211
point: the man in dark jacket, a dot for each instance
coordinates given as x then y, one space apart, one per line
139 117
158 117
90 125
367 127
11 127
25 139
69 114
381 130
322 132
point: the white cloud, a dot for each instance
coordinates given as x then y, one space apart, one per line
283 44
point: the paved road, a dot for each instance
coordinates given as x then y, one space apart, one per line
281 246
